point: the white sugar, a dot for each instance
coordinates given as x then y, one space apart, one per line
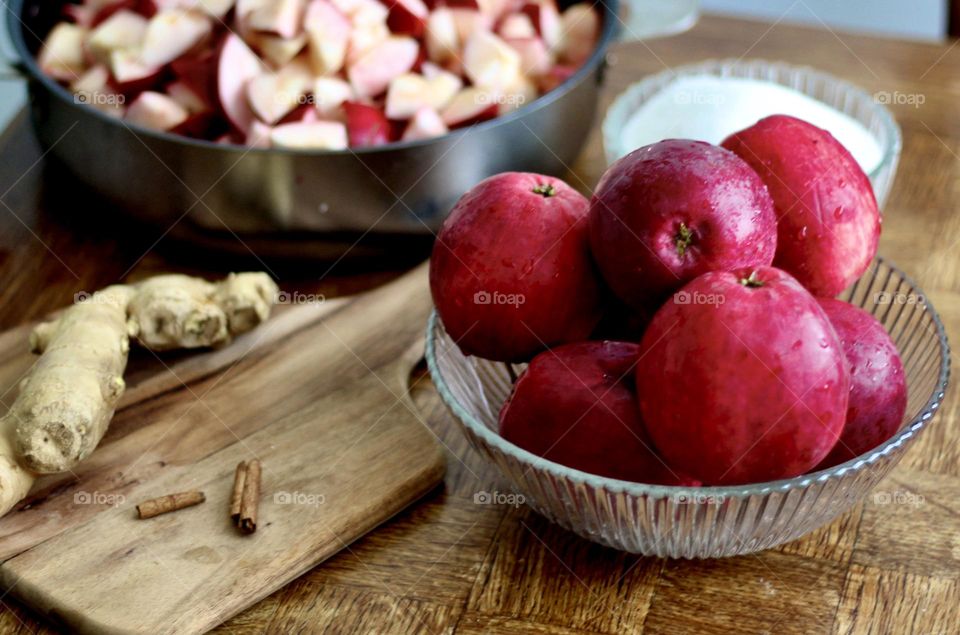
710 108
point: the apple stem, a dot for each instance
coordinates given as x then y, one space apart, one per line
684 238
752 281
545 190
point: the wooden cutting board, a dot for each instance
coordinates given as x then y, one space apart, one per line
319 393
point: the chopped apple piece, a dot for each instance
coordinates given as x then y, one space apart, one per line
278 50
181 93
407 17
535 58
236 66
366 125
214 8
273 95
580 26
259 135
546 19
371 74
516 25
426 124
130 74
199 74
555 76
172 33
329 93
407 94
93 89
443 40
62 54
122 30
518 94
469 106
316 135
365 38
328 34
470 21
443 84
366 13
490 62
283 17
156 111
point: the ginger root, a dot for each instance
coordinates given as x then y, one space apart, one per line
67 399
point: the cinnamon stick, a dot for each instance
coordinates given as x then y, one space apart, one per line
236 498
250 499
169 503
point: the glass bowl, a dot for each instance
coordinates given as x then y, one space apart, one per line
827 89
702 522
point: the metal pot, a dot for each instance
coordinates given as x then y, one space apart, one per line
402 188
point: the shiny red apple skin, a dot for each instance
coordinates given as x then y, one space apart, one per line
828 221
745 383
511 272
647 201
878 385
576 405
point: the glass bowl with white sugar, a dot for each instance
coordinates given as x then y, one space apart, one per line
713 99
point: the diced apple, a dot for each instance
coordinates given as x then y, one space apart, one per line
329 93
365 38
443 84
371 74
283 17
156 111
328 35
443 41
172 33
516 25
93 89
367 12
122 30
555 76
277 50
259 135
535 58
546 20
273 95
62 55
407 94
181 93
199 73
426 124
518 94
407 17
214 8
95 79
236 66
469 21
366 125
489 62
580 26
130 74
316 135
471 105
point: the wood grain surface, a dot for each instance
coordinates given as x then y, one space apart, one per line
448 565
318 394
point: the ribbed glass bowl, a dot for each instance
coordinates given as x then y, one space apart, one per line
825 88
702 522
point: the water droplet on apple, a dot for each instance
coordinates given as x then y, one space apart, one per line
837 213
802 233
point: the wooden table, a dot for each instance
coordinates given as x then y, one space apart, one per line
450 565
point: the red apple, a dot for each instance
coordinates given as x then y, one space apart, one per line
742 379
511 272
829 224
577 405
878 387
670 211
366 125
